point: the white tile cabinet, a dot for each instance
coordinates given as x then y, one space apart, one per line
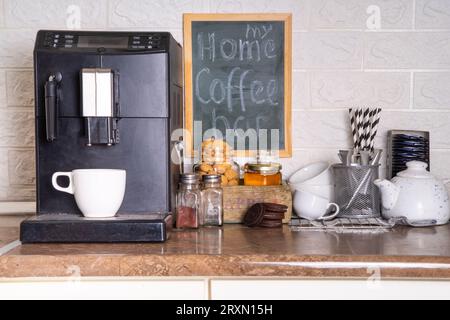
220 288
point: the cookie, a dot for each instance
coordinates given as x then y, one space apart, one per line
222 168
224 181
206 167
254 215
273 216
274 207
231 174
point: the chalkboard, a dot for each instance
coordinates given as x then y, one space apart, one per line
238 78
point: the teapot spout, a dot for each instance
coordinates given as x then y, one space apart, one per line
389 193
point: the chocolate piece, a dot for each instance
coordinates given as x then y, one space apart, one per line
254 215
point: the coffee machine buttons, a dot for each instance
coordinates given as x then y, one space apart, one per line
60 41
68 41
144 42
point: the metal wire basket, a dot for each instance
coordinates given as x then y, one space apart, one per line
355 192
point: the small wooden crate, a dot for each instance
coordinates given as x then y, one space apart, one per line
238 199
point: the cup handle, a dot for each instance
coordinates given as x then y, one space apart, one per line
55 184
332 216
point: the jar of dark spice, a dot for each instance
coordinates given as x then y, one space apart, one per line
188 201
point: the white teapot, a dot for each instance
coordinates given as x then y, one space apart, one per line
416 195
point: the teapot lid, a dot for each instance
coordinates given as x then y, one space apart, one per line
416 169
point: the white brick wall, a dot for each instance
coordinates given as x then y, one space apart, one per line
2 18
432 90
338 63
52 14
16 48
339 89
407 50
351 14
20 88
432 14
21 167
2 89
328 50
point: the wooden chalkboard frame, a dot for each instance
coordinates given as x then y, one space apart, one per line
188 19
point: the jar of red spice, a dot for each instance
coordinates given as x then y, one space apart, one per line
188 202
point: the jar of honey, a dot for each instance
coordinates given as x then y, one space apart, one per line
262 174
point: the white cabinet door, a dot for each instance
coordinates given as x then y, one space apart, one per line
328 289
112 288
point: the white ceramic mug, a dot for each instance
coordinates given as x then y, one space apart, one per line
98 193
325 191
312 207
318 173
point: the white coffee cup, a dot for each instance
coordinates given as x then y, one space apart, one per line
325 191
318 173
98 193
312 207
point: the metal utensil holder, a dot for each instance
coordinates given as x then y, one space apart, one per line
355 192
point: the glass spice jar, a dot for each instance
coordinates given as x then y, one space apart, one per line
262 174
212 201
188 201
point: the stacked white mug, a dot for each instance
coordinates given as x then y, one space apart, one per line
313 189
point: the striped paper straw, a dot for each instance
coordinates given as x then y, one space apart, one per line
366 127
374 128
353 127
359 124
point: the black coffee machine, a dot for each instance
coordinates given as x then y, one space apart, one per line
106 100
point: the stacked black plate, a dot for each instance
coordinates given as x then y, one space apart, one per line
407 147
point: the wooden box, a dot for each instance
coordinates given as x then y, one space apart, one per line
238 199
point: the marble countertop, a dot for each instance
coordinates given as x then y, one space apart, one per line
238 251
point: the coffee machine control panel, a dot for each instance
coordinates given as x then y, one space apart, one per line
101 41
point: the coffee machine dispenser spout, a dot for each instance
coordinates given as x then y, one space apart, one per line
99 100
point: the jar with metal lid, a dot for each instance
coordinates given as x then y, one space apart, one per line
216 159
188 202
212 201
262 174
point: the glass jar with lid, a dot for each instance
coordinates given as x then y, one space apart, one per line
262 174
212 201
216 159
188 202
